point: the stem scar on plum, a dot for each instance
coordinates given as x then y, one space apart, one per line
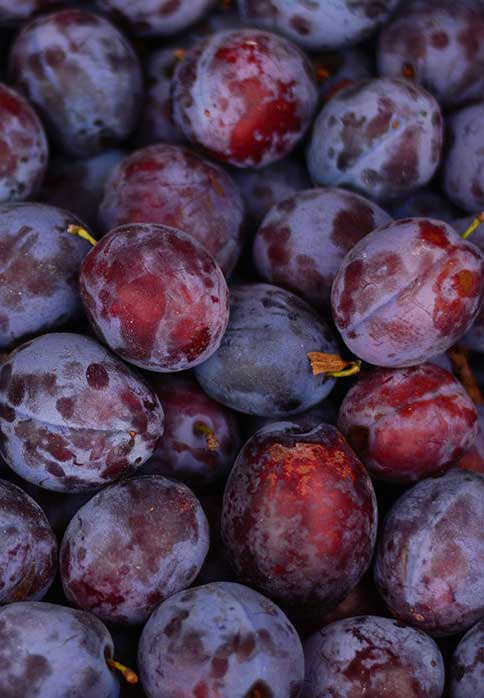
202 429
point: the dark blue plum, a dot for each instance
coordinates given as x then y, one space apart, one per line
220 639
439 44
463 169
467 668
303 239
131 546
73 417
50 651
39 268
82 75
382 138
319 24
157 17
372 656
28 547
261 366
430 557
13 13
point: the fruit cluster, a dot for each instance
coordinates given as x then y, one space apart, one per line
241 336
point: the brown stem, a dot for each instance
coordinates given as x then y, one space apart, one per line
128 674
202 429
460 362
332 365
81 233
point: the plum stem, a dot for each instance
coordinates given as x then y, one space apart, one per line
460 362
202 429
332 365
473 226
128 674
81 233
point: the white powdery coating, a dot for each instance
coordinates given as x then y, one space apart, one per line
380 656
463 173
24 147
158 17
382 137
30 631
243 638
28 547
436 41
317 220
405 291
82 74
99 421
321 23
133 545
467 672
214 95
431 554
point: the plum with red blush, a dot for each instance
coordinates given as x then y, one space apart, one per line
201 438
74 417
174 186
131 546
155 297
299 517
246 96
408 424
407 292
23 147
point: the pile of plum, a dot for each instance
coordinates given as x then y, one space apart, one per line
241 341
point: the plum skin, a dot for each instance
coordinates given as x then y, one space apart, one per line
24 148
467 667
51 651
430 551
155 296
29 547
82 75
373 656
299 517
261 366
131 546
409 423
303 239
174 186
407 292
73 416
183 452
39 265
246 96
220 638
381 138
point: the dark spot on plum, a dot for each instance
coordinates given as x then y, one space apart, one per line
97 376
259 690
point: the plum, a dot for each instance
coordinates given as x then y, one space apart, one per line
131 546
299 517
73 417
